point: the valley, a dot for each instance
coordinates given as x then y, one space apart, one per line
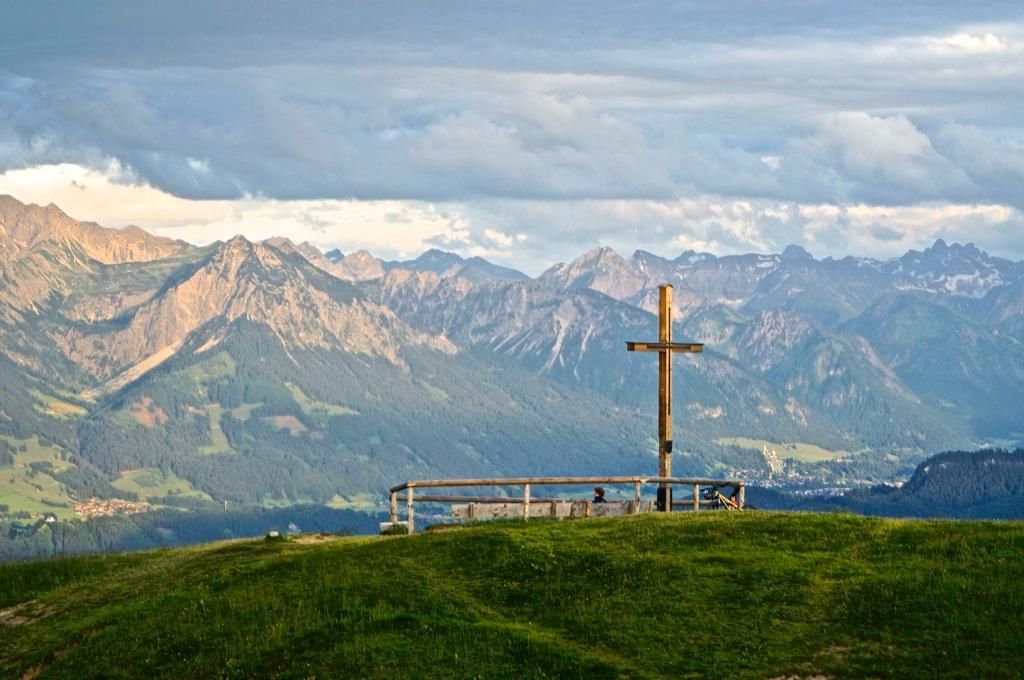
267 374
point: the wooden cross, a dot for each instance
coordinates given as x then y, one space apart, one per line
664 347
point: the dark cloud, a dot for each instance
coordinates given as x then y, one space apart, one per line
887 233
222 33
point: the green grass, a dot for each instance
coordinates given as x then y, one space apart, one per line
753 595
808 453
149 483
21 489
217 365
356 501
218 440
56 407
244 412
317 408
435 392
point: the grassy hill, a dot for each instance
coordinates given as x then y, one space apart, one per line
710 595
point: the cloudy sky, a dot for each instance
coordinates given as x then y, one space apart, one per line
525 132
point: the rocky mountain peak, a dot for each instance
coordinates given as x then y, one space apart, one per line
601 269
436 258
256 283
25 226
281 243
239 267
648 262
602 259
946 253
954 269
359 266
305 250
360 255
795 252
452 265
602 255
309 251
238 251
693 257
238 241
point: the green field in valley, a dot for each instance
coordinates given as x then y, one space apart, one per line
314 407
28 485
149 483
809 453
754 595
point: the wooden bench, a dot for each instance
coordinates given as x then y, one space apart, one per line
549 509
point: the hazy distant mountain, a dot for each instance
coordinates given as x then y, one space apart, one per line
1003 310
954 270
831 291
448 265
964 368
357 266
576 337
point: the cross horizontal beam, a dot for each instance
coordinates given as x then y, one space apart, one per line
692 347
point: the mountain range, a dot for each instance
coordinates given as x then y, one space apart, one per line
135 366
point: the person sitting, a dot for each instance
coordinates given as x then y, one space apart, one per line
599 495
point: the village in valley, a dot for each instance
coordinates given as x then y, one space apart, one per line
96 507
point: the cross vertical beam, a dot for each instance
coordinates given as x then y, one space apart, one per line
665 383
664 347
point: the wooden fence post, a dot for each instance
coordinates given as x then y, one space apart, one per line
409 511
696 497
742 495
393 511
526 502
636 497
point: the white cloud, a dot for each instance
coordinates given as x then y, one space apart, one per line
388 228
987 43
498 239
530 235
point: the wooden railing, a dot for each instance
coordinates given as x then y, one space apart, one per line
528 482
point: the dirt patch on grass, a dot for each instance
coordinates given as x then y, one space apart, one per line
23 613
147 413
316 538
63 408
438 528
290 423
